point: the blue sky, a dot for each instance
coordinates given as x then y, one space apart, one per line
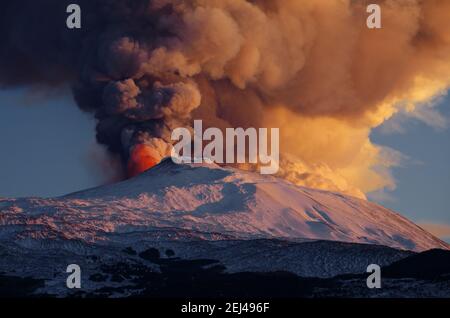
48 145
423 180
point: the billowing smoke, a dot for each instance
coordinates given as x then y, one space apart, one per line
310 67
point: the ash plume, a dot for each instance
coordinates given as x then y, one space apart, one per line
310 67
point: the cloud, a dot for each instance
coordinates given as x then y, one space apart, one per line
309 67
432 117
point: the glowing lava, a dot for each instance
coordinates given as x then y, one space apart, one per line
142 158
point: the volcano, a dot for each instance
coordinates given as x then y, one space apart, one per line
192 224
210 201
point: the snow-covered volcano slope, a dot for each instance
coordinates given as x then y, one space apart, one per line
209 202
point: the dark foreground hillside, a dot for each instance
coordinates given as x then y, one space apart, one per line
160 273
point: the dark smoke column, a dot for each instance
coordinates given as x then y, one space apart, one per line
108 64
137 102
312 68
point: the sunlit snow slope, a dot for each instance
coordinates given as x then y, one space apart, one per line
222 202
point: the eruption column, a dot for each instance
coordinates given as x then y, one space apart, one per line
142 158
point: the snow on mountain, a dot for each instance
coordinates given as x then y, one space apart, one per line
213 203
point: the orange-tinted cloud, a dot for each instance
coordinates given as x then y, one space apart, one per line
309 67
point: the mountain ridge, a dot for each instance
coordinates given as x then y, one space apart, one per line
206 198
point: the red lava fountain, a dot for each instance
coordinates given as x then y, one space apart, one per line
142 158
